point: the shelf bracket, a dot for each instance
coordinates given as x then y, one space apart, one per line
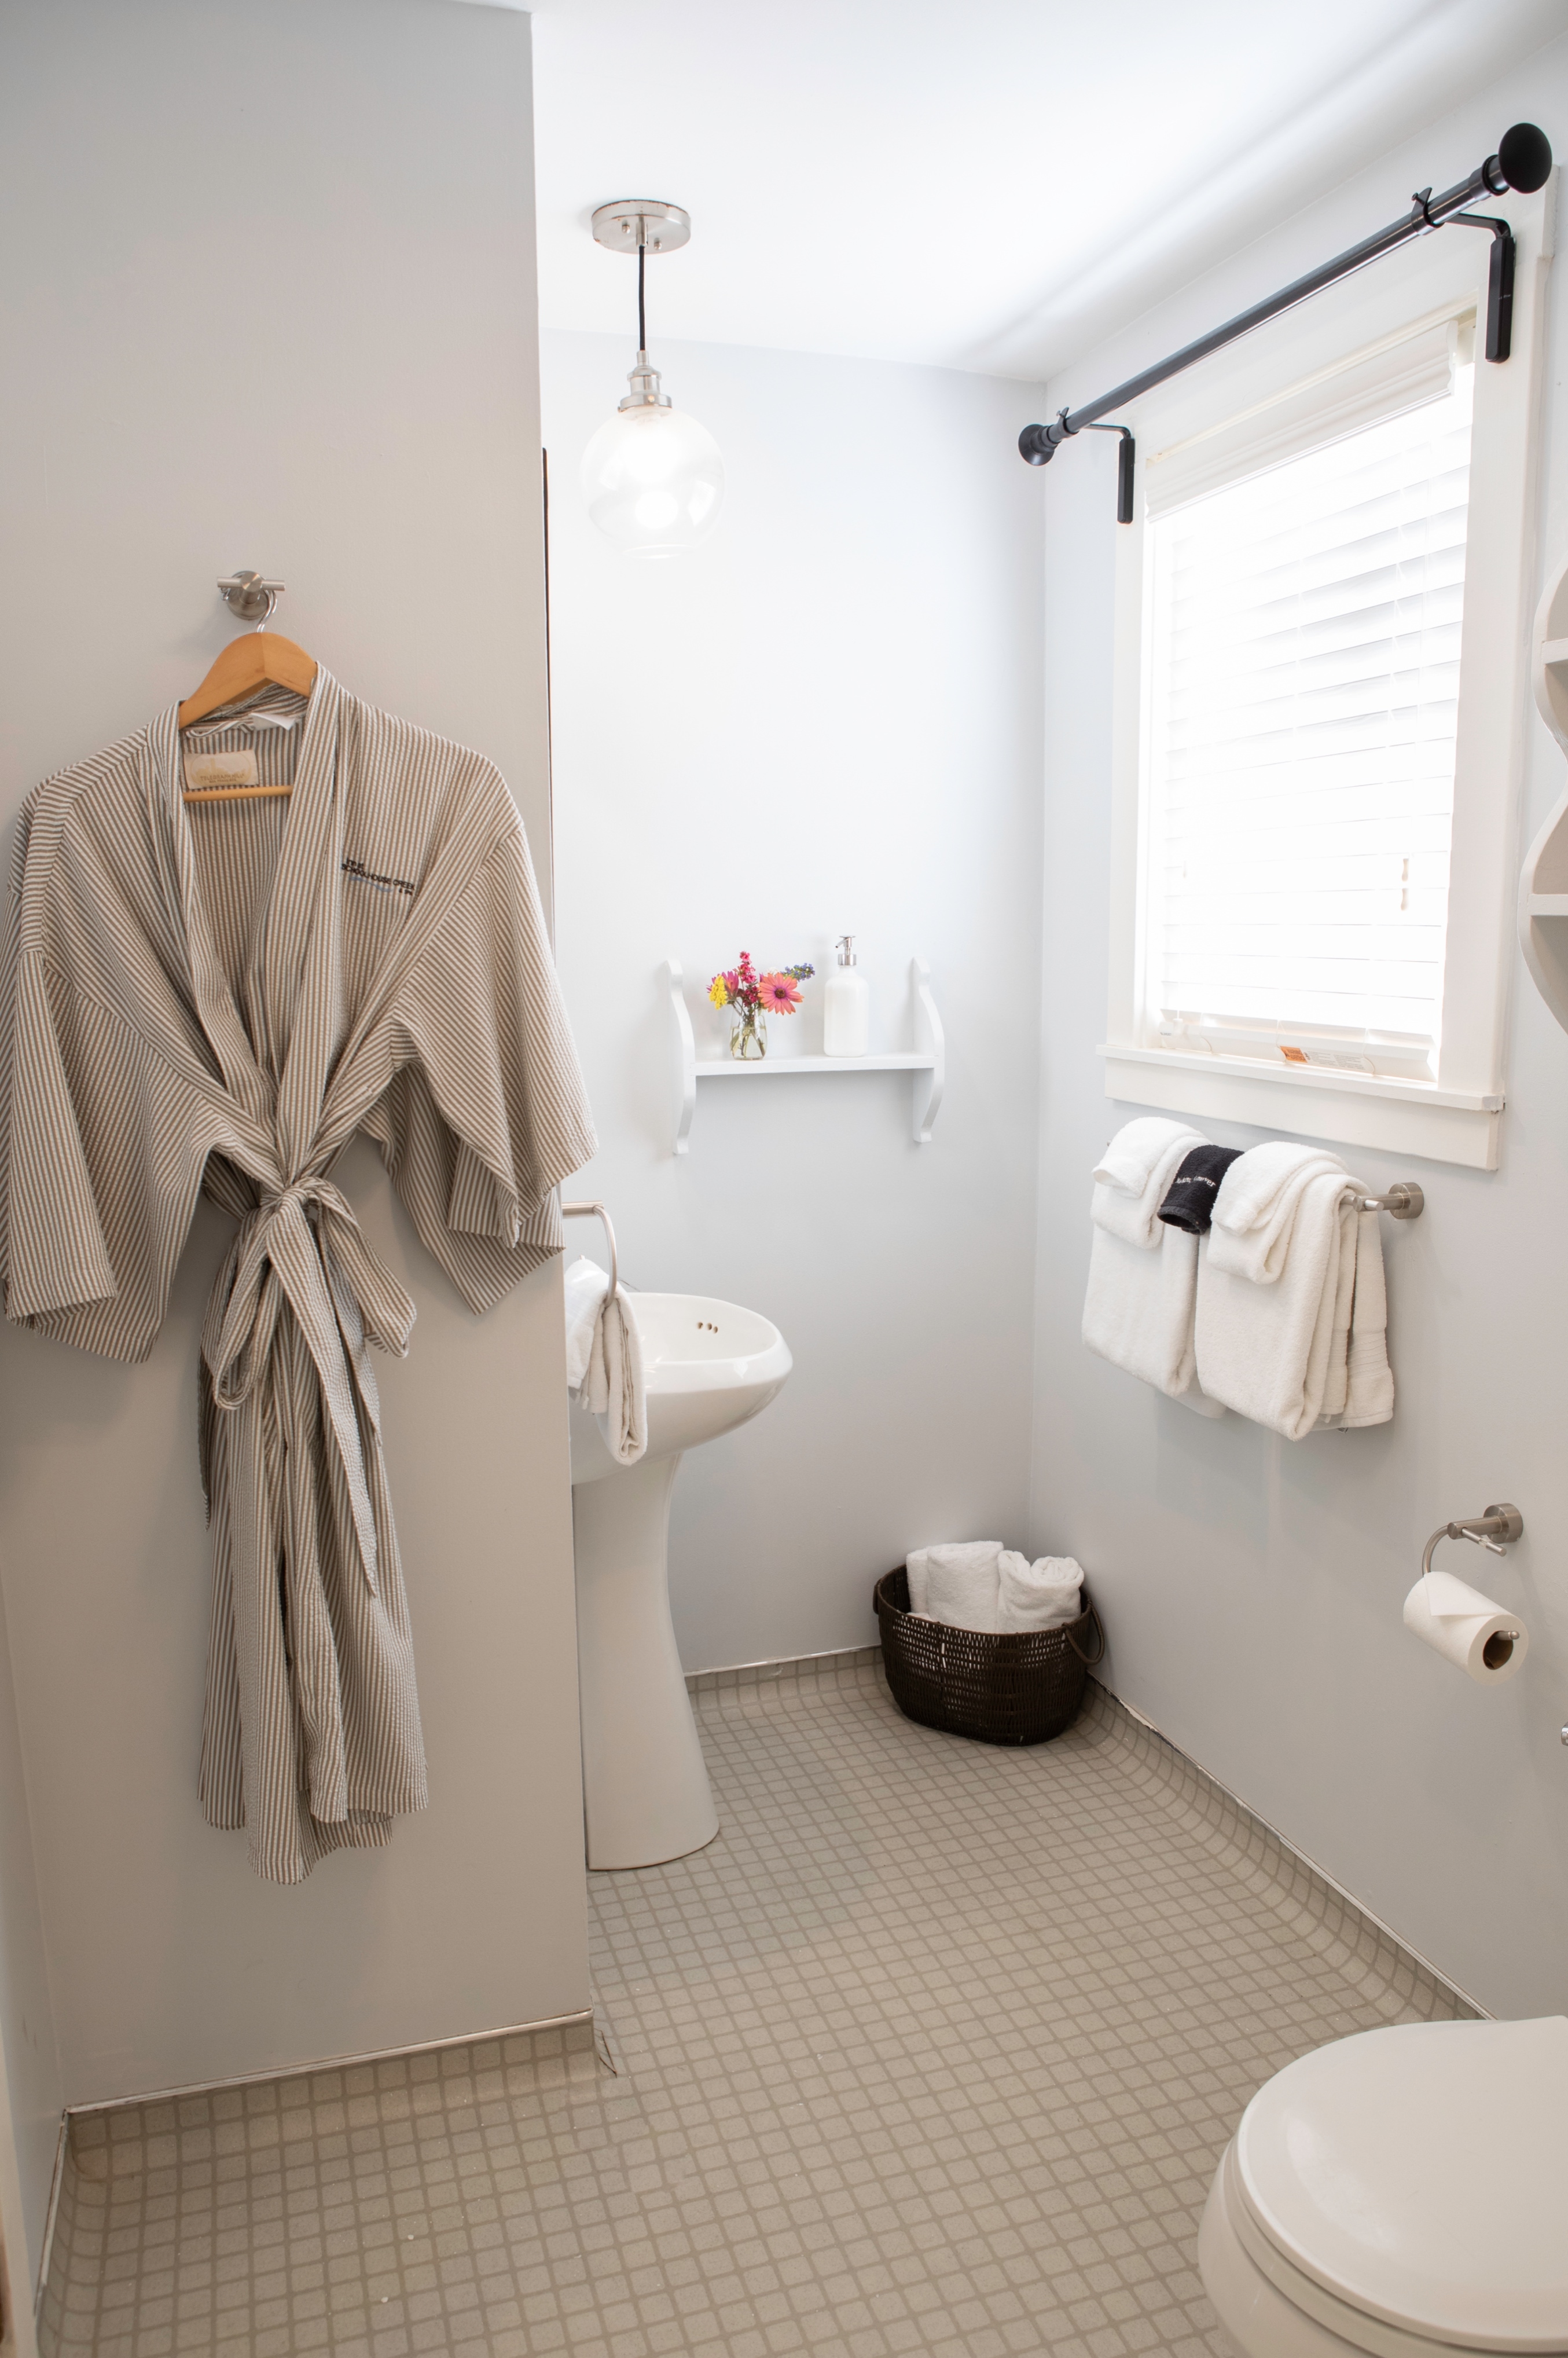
929 1039
685 1055
1543 885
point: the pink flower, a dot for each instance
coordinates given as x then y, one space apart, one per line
779 994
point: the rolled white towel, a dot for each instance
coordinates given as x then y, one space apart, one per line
1039 1595
956 1582
1133 1177
604 1360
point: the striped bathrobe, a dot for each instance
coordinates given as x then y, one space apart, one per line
217 997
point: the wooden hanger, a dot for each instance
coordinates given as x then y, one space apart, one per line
244 665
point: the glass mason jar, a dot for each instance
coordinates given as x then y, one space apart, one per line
748 1033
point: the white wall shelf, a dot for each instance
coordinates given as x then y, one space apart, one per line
1543 887
926 1060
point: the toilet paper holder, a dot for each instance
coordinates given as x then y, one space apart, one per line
1494 1530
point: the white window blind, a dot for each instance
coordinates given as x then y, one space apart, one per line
1301 698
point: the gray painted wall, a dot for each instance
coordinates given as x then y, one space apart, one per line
1252 1587
825 720
269 280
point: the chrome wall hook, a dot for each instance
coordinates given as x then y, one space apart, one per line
248 596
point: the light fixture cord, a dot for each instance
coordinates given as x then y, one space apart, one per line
641 305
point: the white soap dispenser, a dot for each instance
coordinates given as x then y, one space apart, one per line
847 1006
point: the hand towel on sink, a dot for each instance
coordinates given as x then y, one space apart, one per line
956 1583
586 1287
604 1360
1039 1595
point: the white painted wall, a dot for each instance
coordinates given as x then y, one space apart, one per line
824 719
1252 1587
269 283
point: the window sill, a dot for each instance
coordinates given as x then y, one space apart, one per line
1346 1109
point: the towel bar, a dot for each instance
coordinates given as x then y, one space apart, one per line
598 1212
1404 1200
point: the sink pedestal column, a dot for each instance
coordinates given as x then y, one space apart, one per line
645 1790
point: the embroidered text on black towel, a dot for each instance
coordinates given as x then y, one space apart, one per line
1189 1200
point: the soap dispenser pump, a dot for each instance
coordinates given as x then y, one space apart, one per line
846 1006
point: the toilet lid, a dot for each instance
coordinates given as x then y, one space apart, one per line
1420 2174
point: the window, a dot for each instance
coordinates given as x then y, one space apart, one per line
1302 696
1320 707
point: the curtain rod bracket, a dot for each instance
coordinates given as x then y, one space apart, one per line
1500 280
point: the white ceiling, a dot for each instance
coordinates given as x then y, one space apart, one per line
986 186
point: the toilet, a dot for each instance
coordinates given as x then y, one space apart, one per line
1403 2193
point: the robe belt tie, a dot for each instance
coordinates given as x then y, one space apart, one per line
302 1245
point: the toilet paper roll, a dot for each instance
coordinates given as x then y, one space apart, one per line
1468 1629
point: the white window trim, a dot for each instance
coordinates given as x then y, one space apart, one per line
1454 1119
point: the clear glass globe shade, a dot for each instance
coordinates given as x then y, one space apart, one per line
654 480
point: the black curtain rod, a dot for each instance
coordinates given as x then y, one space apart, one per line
1522 161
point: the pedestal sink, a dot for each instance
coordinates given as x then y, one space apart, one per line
711 1365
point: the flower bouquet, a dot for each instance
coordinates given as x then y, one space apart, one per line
751 998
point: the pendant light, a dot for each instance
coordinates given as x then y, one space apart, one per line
651 476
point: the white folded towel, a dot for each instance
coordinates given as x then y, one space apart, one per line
956 1582
1039 1595
1255 1208
1138 1148
1369 1388
1133 1177
1277 1329
604 1360
1138 1311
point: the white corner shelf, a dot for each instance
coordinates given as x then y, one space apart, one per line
926 1060
1543 887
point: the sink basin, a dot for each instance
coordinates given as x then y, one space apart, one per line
711 1365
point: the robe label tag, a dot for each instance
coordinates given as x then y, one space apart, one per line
235 769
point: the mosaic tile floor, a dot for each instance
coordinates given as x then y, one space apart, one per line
933 2050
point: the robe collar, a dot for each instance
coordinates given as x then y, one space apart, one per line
275 1070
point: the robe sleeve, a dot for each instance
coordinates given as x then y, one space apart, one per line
491 1115
57 1257
98 1172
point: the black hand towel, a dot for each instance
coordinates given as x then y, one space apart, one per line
1189 1200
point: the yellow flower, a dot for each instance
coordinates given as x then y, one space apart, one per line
719 991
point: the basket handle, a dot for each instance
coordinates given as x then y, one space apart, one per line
1089 1662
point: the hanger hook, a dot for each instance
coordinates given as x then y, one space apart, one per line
247 595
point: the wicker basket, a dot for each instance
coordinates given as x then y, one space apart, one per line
1017 1689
